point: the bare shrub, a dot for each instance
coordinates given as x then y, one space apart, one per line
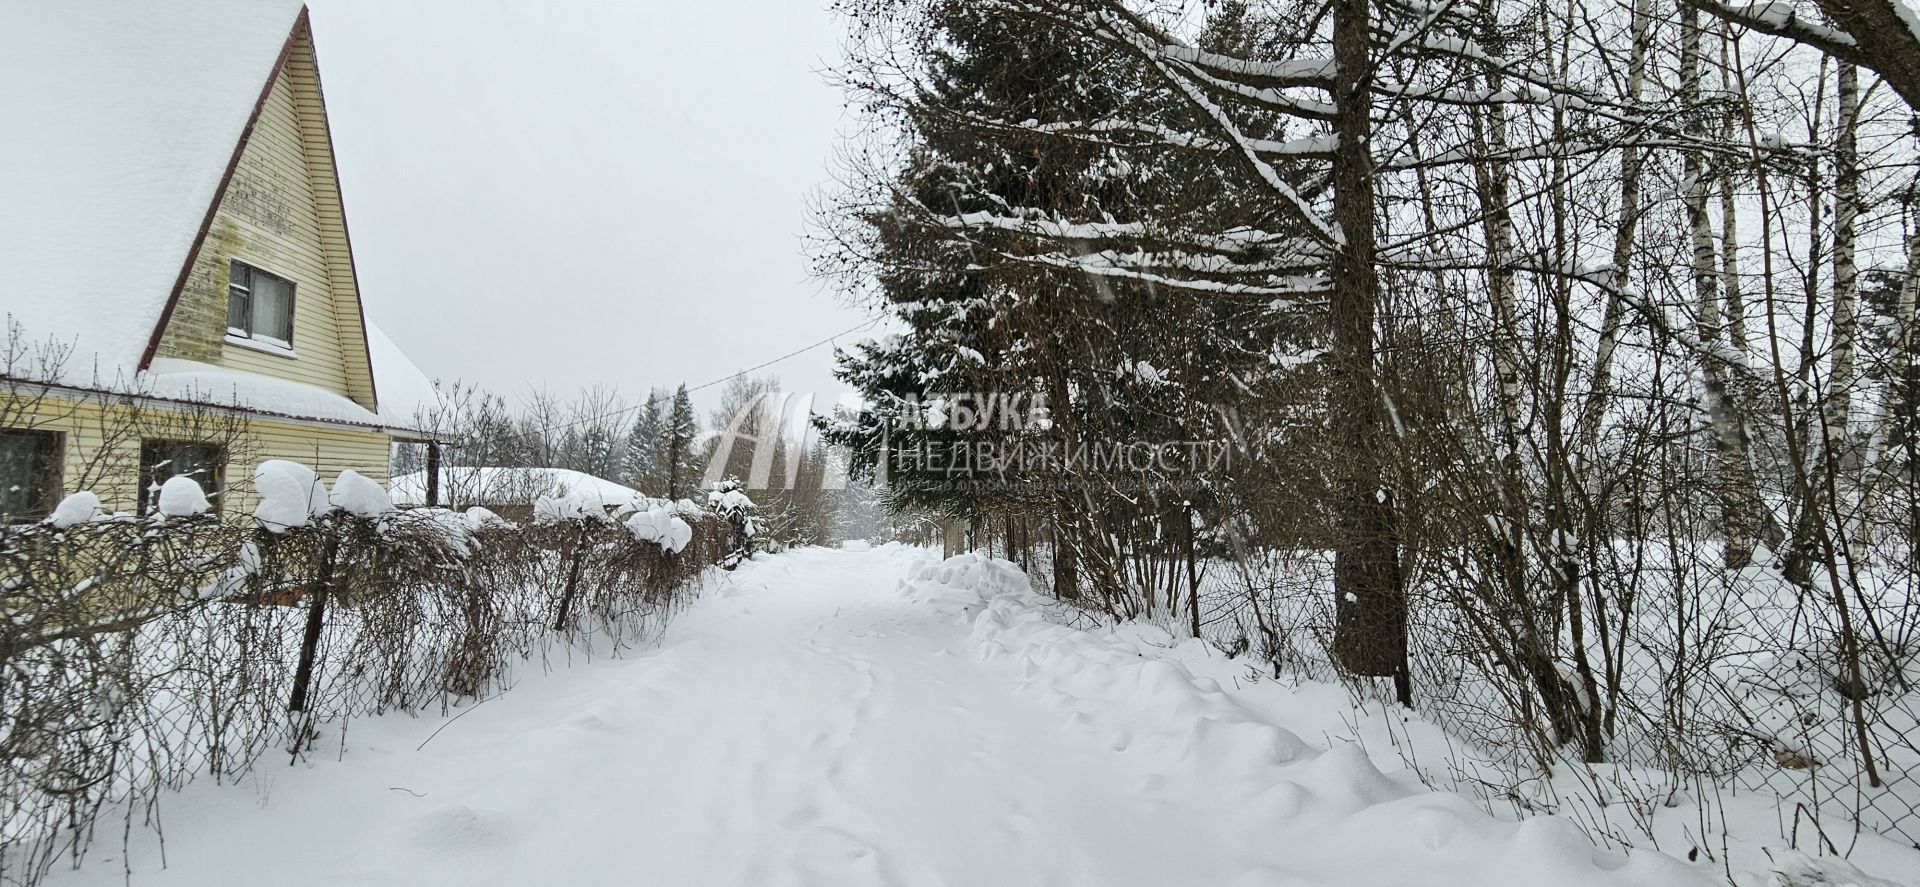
137 653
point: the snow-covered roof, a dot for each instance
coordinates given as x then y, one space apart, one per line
128 115
516 486
407 395
191 381
122 118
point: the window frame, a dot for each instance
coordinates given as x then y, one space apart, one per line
146 492
52 473
240 285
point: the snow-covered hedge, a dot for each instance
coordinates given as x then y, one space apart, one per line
139 651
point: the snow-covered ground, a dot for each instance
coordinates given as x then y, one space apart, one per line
855 718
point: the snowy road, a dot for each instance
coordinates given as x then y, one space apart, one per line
813 725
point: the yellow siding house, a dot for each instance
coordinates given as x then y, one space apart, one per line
175 268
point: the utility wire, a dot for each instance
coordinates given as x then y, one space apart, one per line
596 420
790 354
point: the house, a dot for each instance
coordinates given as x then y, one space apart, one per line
175 268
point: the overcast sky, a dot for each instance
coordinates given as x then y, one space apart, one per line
574 192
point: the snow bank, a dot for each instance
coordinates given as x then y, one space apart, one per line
497 486
1792 868
725 501
76 508
970 581
181 496
359 495
480 518
1330 807
661 526
291 495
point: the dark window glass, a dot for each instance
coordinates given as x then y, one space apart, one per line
29 473
163 459
239 301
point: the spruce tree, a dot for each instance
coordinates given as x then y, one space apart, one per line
641 462
681 465
1115 360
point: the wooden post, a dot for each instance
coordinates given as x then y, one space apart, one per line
316 620
433 473
565 616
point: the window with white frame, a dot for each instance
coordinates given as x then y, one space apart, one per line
259 306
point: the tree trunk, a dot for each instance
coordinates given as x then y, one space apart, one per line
1066 571
1193 568
1370 605
1836 401
1732 473
1886 39
1625 233
1893 433
673 467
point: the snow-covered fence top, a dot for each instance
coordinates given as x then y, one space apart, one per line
139 651
496 486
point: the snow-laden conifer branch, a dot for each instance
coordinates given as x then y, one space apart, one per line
1240 240
1316 73
1136 268
1105 24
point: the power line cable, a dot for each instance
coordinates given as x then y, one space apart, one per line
596 420
790 354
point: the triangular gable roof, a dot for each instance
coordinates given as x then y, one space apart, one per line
133 117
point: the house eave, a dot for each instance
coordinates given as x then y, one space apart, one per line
20 387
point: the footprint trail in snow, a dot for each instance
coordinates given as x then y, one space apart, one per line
855 719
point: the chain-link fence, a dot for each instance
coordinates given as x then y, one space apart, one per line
1708 681
139 653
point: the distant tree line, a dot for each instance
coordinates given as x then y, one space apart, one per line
658 445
